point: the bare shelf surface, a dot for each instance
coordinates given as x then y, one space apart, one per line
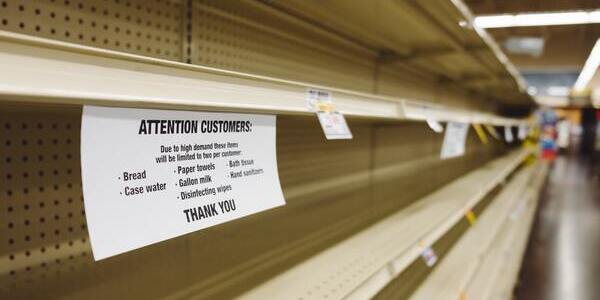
362 265
473 264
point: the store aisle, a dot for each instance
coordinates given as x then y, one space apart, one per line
563 255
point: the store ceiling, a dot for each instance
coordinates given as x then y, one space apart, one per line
564 51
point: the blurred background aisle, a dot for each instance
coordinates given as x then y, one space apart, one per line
562 260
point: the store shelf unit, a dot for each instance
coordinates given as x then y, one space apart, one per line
498 271
359 267
491 252
415 63
47 71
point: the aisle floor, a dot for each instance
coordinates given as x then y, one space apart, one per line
563 255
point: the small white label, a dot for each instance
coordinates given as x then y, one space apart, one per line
454 140
508 134
429 256
522 132
518 211
151 175
435 125
334 125
319 100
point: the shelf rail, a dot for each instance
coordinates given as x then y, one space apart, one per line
46 71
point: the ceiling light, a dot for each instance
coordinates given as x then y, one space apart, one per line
558 91
538 19
532 90
589 69
533 46
552 101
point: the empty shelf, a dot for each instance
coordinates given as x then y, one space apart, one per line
451 277
498 272
360 266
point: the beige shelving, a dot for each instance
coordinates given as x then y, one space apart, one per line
359 267
474 264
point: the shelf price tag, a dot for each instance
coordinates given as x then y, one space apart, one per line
508 134
435 125
522 134
429 256
152 175
471 218
462 295
518 211
319 100
334 125
332 122
454 140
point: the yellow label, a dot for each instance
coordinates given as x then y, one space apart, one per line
480 133
470 215
327 107
492 131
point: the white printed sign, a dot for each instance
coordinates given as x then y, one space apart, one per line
334 125
522 132
435 125
454 140
508 134
151 175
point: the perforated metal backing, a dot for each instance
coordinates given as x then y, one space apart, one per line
248 36
145 27
243 36
332 189
44 234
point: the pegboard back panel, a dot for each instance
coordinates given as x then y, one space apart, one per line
392 82
44 234
333 189
246 36
409 168
149 28
242 36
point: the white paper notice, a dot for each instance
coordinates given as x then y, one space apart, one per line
508 134
435 126
334 125
151 175
454 140
522 132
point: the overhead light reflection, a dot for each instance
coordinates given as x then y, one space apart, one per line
538 19
589 69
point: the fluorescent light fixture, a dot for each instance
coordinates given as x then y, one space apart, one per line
532 90
589 69
538 19
558 91
533 46
552 101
